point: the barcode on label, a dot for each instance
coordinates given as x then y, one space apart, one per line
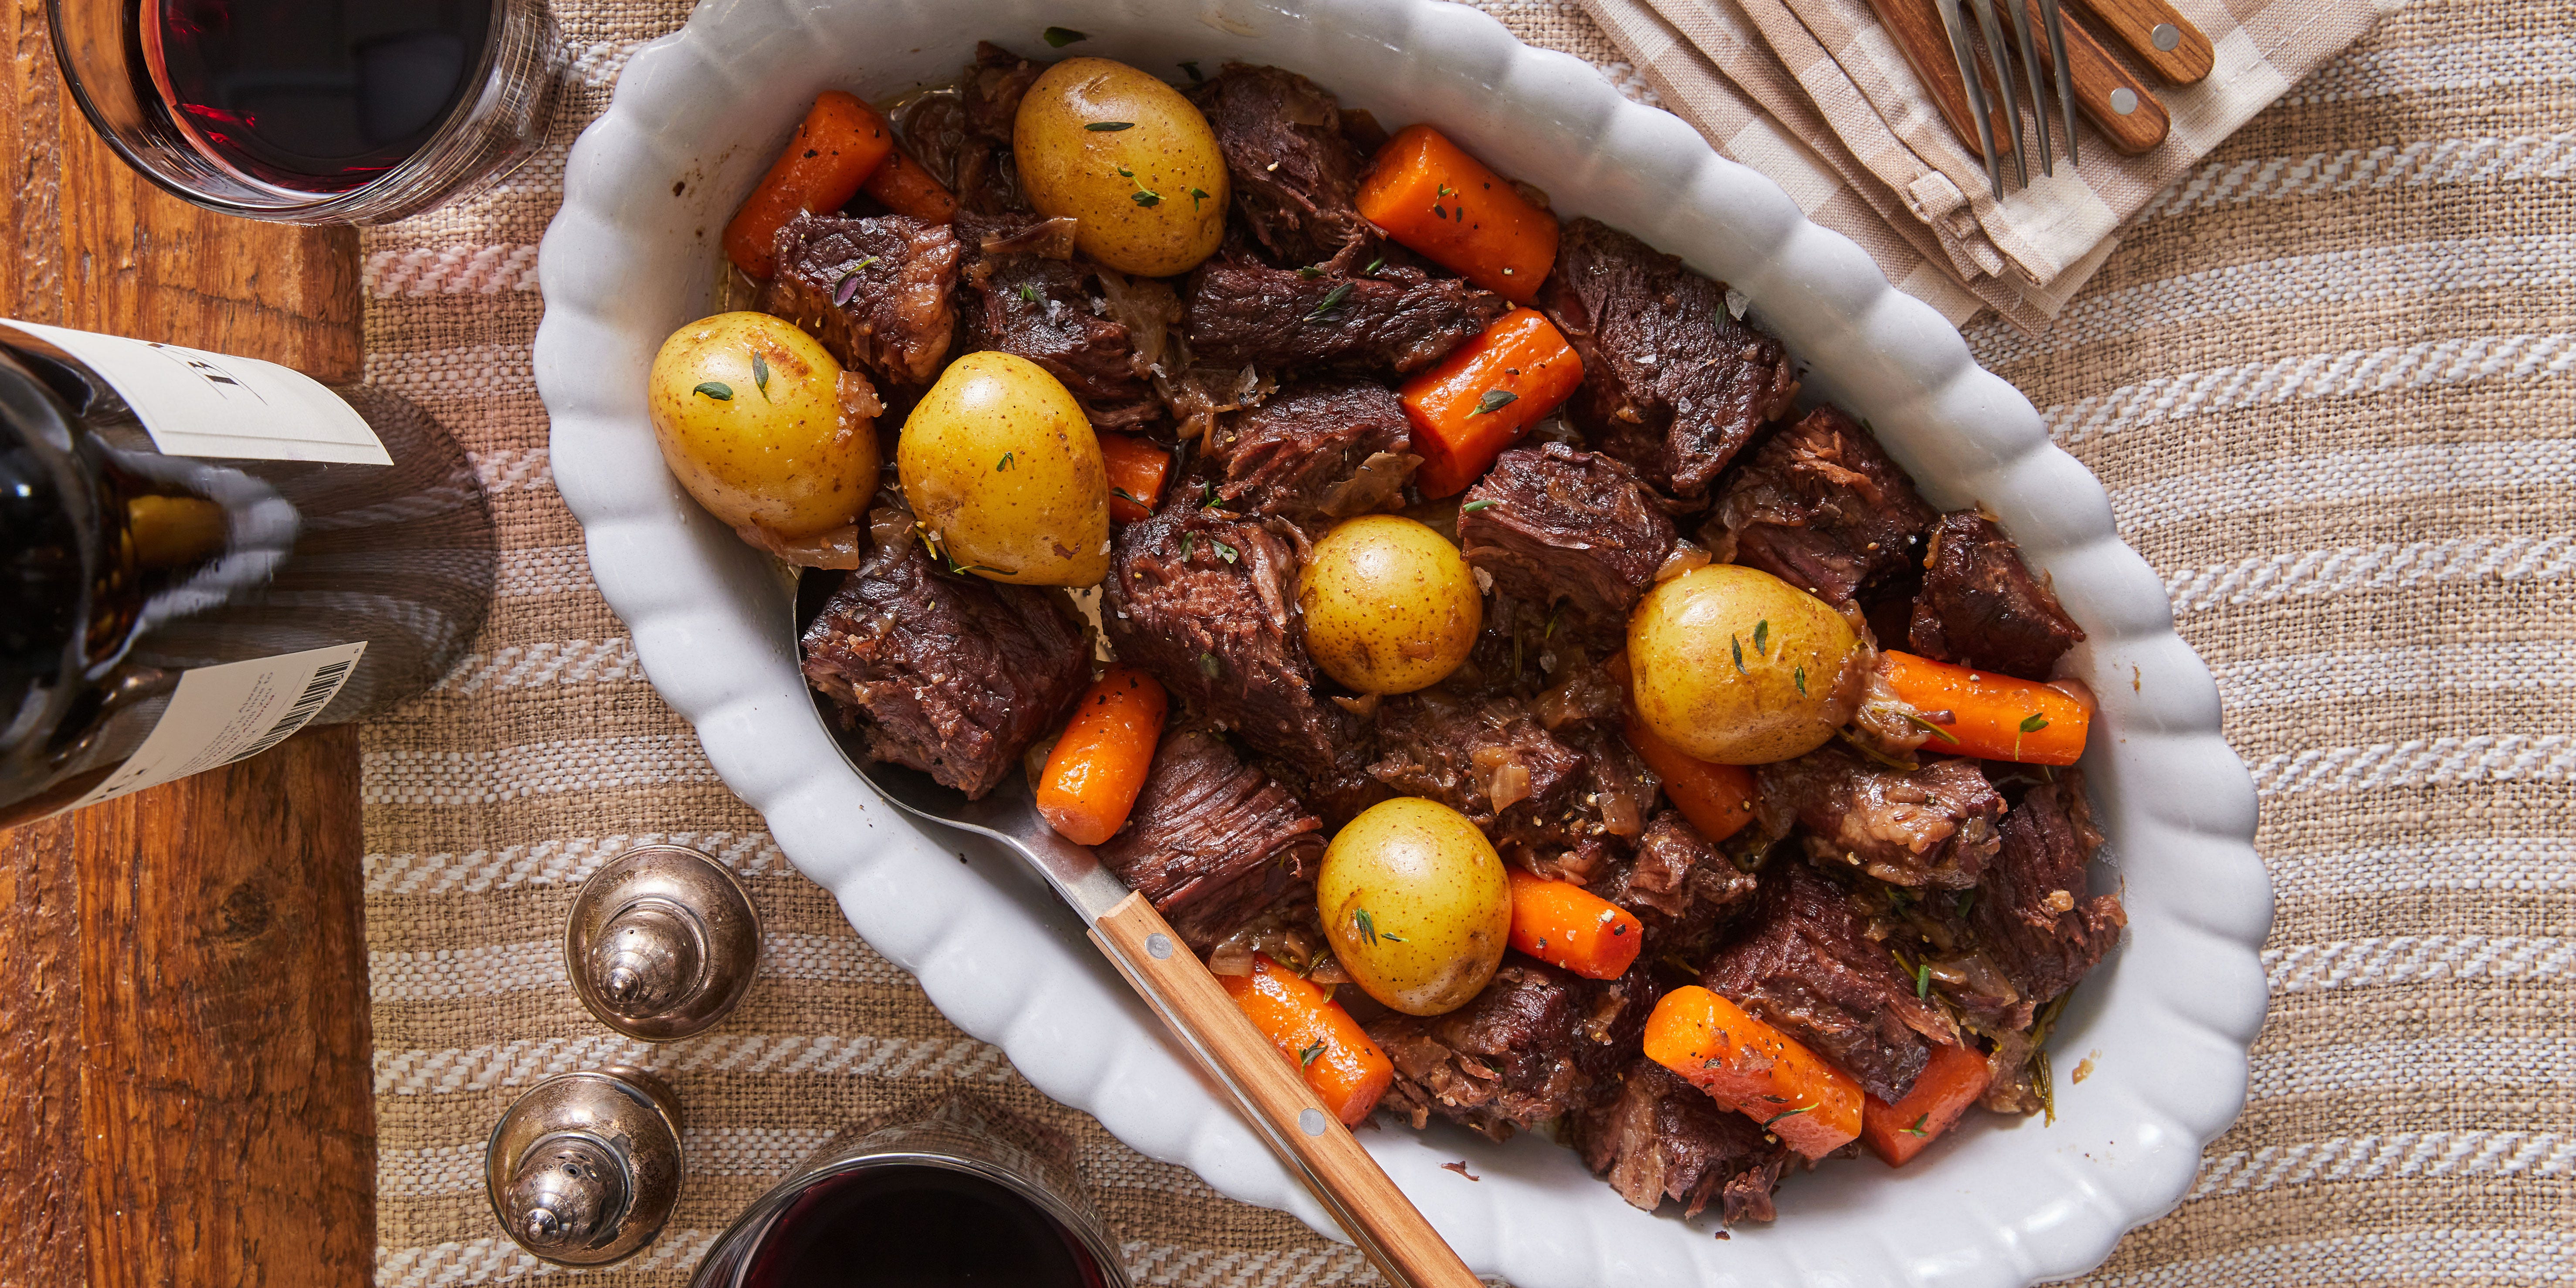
316 695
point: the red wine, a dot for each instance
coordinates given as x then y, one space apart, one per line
313 95
200 555
917 1227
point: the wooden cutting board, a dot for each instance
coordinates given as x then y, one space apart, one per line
183 975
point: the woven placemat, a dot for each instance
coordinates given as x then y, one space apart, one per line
2328 378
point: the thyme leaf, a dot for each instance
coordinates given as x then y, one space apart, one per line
1146 197
1928 727
2034 722
760 375
1915 1130
1223 549
1005 462
1786 1113
1109 127
716 389
1059 37
1761 638
1331 304
1737 643
1495 400
1472 506
1801 677
1191 65
1306 1057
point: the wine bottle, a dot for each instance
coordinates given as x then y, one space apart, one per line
201 554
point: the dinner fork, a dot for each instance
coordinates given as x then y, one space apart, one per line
1999 65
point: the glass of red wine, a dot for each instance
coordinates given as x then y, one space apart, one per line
961 1197
313 111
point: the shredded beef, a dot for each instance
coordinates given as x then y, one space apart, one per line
1680 887
1295 176
954 676
1820 506
1211 841
1673 384
1933 826
1398 319
1488 761
992 87
1803 962
1662 1138
1557 525
1511 1057
1042 307
874 291
1980 606
2032 916
1206 602
1315 452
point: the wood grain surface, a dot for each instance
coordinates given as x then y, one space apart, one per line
1386 1225
184 971
2133 23
2096 75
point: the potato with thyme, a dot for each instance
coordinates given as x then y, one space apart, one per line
752 418
1736 666
1389 605
1416 905
1124 153
1001 466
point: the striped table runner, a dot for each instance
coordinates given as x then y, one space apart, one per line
2328 378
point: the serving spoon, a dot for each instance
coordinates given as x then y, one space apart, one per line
1309 1140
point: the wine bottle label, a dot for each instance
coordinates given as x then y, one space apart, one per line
218 406
220 714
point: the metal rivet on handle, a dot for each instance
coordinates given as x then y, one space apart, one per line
1312 1122
1159 945
2166 35
2124 100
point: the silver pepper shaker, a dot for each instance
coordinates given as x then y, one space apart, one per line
662 943
585 1168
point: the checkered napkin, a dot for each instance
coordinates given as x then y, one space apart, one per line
1815 94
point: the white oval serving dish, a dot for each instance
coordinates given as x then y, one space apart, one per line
2165 1021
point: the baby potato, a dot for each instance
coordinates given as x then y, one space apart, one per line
1001 465
1734 665
747 411
1128 156
1390 606
1415 902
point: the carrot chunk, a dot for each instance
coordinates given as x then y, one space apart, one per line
1099 764
841 142
1343 1067
904 187
1756 1070
1428 194
1563 924
1136 471
1942 1093
1990 716
1717 799
1484 396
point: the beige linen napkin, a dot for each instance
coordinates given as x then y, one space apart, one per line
1815 94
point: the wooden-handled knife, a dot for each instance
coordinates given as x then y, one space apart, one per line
2158 35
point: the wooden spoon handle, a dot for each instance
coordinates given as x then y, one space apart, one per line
1306 1136
2101 85
2158 35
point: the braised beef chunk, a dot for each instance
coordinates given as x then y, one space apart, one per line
2032 917
1294 174
1212 841
1207 604
1820 506
992 87
1662 1138
1673 383
1933 826
1679 886
1316 451
1398 319
874 291
1804 963
954 676
1980 605
1024 296
1509 1058
1490 760
1557 525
